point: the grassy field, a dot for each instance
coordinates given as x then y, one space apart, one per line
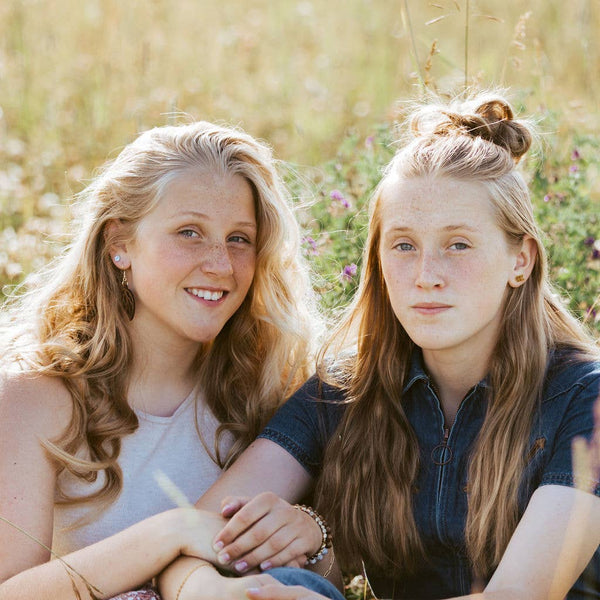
323 81
79 79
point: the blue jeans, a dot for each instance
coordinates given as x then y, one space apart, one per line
310 580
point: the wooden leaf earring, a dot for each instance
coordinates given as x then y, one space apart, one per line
127 298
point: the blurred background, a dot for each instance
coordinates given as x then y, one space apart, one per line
80 78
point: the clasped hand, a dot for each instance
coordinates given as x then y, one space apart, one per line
264 532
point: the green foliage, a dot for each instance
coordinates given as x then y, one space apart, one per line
336 221
562 194
569 215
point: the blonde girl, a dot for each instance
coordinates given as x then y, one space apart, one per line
162 340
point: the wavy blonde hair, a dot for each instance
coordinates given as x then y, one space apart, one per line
72 326
373 460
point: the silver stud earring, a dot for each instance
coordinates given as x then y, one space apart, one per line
117 258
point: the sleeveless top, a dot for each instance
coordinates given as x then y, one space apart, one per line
170 445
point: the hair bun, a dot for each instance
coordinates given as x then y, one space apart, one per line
488 117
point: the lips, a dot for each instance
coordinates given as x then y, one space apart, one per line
430 308
206 294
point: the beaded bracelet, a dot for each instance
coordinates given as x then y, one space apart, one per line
325 533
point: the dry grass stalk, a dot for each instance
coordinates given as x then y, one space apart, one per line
92 590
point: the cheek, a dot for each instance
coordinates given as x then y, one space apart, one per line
245 268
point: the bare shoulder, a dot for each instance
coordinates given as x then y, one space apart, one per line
36 403
32 409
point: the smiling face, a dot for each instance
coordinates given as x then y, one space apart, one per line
192 259
446 263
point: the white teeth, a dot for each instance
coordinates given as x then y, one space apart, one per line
206 294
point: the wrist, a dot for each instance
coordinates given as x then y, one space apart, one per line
325 541
187 579
195 531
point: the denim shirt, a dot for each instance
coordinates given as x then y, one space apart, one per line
306 422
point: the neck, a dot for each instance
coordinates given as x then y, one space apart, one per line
162 375
454 376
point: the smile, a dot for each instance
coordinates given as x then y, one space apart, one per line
206 294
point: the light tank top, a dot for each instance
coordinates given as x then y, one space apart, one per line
167 444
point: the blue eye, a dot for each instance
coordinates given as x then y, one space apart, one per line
459 246
404 247
239 239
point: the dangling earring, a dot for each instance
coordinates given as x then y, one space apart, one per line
127 298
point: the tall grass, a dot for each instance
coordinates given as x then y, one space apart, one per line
320 80
79 79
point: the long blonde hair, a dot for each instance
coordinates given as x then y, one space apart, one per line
71 324
373 460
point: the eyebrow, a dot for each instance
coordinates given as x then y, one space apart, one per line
459 226
201 215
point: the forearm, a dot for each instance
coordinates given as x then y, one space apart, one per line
174 579
116 564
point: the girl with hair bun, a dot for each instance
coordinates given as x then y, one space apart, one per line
163 339
441 425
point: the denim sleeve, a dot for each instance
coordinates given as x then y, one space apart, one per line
304 424
578 422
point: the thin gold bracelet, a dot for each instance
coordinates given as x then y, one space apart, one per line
190 573
330 567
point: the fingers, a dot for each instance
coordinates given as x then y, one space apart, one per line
231 504
279 591
247 515
262 542
270 533
282 548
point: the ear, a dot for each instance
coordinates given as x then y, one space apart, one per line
524 262
114 237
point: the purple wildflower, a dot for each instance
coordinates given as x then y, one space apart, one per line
349 272
312 244
337 195
369 141
595 253
573 169
589 241
547 198
575 154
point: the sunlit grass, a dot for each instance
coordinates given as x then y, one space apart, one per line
320 81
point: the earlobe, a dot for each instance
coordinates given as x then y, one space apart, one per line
524 262
117 248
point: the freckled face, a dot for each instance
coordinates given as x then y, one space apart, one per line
193 258
446 263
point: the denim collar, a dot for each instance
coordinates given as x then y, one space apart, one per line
417 372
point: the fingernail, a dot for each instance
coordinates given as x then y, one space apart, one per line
241 566
218 546
252 591
227 508
223 558
264 566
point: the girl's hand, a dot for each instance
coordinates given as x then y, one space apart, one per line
278 591
195 529
265 532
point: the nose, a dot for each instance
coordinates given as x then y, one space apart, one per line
216 260
430 273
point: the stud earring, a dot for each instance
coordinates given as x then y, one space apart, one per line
127 298
519 278
117 257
